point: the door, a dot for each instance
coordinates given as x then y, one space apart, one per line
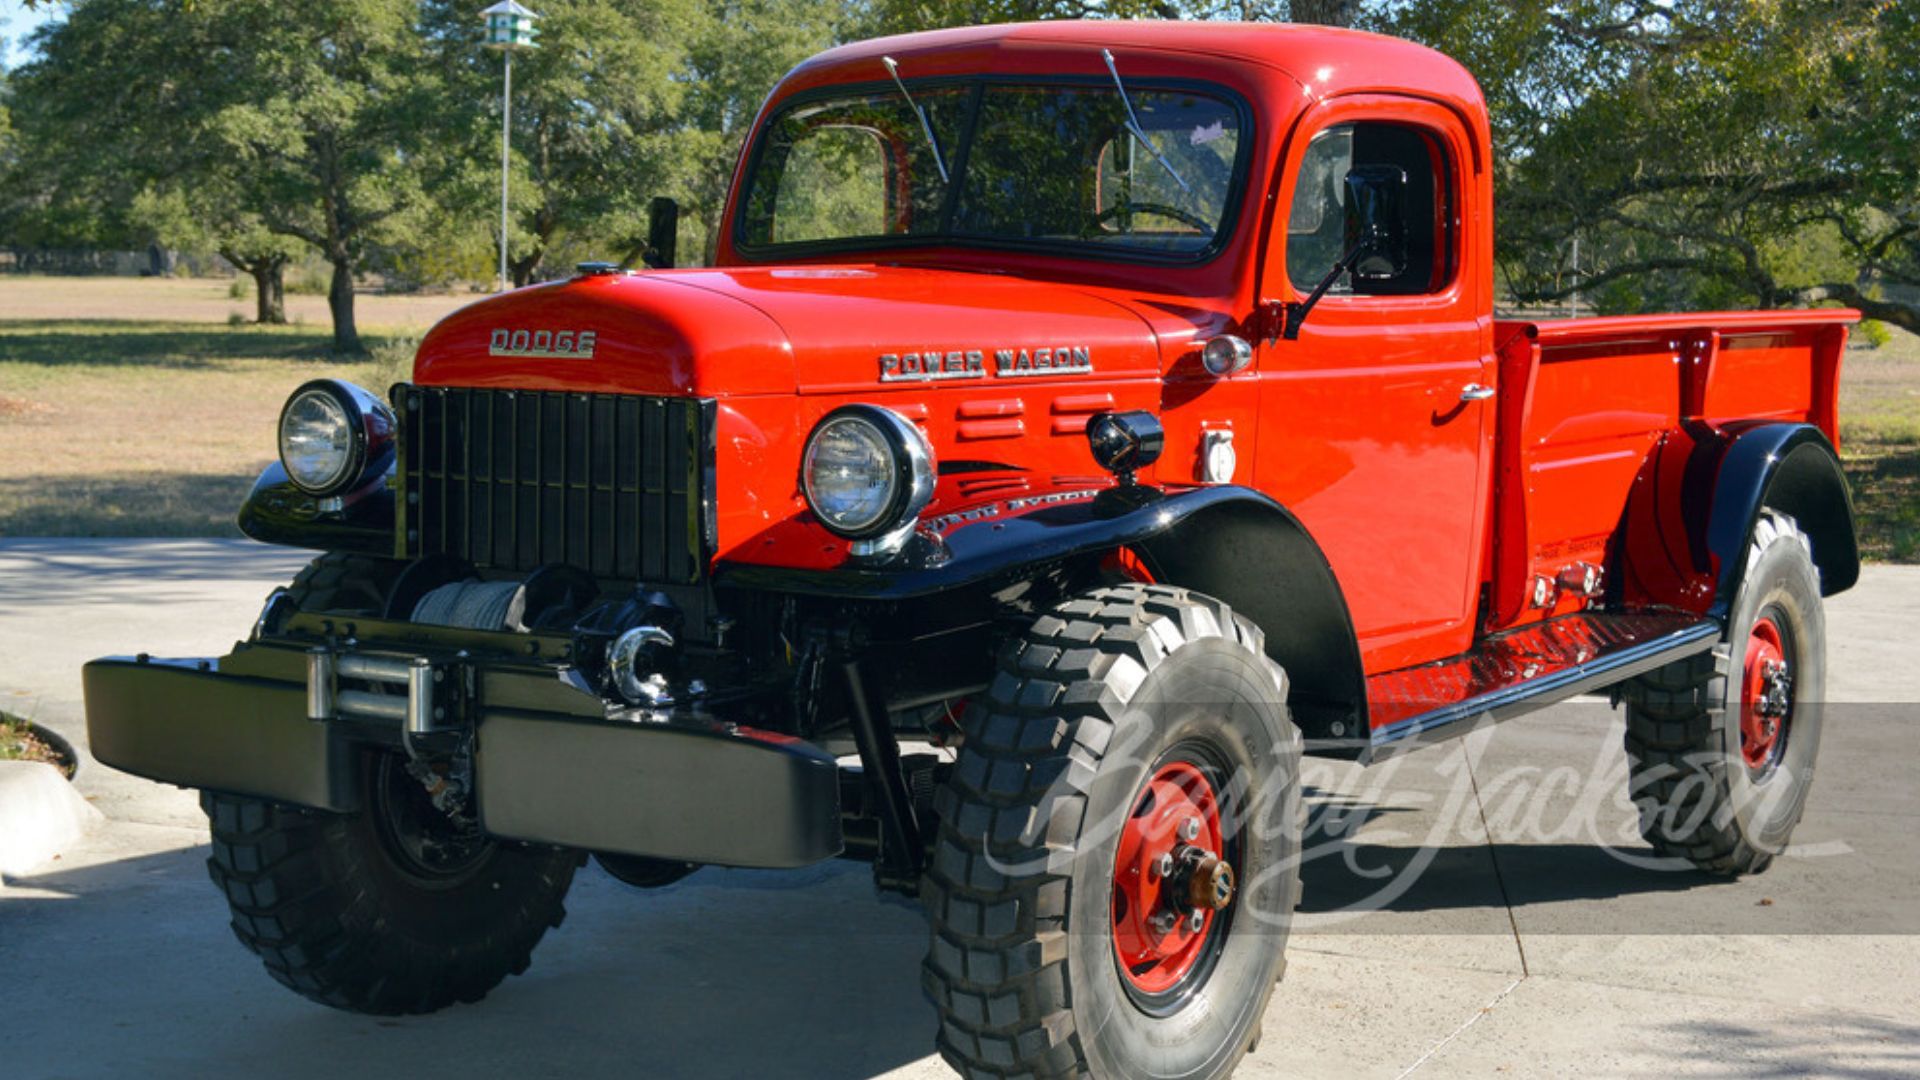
1376 422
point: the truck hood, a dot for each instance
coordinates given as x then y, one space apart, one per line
769 330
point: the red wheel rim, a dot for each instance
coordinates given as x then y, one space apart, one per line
1766 702
1154 936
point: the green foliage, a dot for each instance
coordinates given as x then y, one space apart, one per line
1706 152
1873 333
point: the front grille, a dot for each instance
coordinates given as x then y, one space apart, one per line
516 479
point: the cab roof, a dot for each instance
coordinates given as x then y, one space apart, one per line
1325 61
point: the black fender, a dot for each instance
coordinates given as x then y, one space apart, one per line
1227 541
277 512
1791 468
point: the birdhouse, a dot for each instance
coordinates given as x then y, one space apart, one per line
510 27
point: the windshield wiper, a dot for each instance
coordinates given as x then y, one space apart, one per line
1133 121
933 144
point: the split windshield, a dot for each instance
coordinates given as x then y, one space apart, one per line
1037 164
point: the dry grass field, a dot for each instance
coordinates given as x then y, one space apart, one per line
196 300
130 407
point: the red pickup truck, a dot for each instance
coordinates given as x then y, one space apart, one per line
1082 420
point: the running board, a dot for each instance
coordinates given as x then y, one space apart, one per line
1521 670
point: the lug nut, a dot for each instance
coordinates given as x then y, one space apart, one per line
1196 920
1163 866
1163 922
1190 828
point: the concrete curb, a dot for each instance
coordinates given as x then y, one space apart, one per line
40 815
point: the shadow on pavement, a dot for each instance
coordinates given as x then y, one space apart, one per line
61 571
1840 1046
728 973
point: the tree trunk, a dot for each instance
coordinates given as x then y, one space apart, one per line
1324 12
522 270
269 291
346 337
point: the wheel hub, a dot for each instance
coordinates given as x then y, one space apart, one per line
1766 695
1171 883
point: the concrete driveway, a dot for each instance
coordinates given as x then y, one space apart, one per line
1510 923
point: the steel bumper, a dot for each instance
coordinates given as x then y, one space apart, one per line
550 764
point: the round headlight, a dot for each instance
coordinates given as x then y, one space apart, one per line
867 471
329 432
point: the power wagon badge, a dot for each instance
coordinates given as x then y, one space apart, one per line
973 364
542 343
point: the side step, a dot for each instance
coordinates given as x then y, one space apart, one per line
1525 669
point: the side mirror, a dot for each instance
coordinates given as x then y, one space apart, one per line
663 233
1376 221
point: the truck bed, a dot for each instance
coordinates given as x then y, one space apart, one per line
1585 403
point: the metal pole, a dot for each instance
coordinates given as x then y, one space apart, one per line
1573 298
506 160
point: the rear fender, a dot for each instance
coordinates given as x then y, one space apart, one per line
1791 468
1683 541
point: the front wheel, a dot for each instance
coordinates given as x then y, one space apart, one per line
393 909
1117 864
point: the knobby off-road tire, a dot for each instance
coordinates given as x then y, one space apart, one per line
341 912
1724 798
343 583
1123 686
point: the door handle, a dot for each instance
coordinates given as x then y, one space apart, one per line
1473 391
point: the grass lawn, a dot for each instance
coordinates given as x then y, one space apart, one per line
129 407
20 742
1880 445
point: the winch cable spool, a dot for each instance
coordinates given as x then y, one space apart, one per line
474 605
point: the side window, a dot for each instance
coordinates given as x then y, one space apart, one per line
1316 220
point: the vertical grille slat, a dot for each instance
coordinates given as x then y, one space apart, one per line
516 479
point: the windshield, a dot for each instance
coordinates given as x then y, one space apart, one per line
1035 164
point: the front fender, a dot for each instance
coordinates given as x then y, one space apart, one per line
995 539
277 512
1230 542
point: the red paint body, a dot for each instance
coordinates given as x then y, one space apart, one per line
1436 514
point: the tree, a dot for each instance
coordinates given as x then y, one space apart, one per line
328 111
208 216
1707 153
307 123
594 111
741 51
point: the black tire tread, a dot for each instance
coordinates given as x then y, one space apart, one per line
343 582
1675 728
996 966
324 938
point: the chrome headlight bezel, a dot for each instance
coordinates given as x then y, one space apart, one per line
368 428
908 475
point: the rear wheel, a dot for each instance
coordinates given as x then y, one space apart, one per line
1722 744
396 908
1117 862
